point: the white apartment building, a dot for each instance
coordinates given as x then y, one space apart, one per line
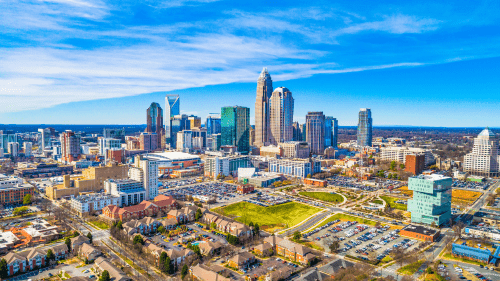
13 149
225 166
484 159
9 181
294 167
86 204
398 154
184 140
108 144
27 147
146 171
128 191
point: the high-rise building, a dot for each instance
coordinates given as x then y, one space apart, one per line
194 121
251 136
431 202
303 131
328 131
44 139
114 134
281 112
13 149
225 166
5 138
297 134
315 126
295 149
294 167
335 135
484 159
236 127
172 108
27 147
415 163
216 142
184 140
178 123
70 146
213 124
155 123
108 144
365 127
148 141
262 116
146 171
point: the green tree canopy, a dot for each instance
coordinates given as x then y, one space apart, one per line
27 199
138 240
50 255
20 211
89 236
3 268
297 236
105 276
68 243
198 214
184 271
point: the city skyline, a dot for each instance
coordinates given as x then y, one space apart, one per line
439 59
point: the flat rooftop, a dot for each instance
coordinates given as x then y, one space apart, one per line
432 177
420 229
171 155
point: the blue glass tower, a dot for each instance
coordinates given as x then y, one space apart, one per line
365 127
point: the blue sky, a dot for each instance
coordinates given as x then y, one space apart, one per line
103 62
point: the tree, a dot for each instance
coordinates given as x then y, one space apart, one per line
89 236
184 271
433 224
68 243
119 225
198 214
256 229
20 211
393 165
3 269
213 225
402 166
27 199
163 257
161 229
167 266
297 236
105 276
309 176
334 246
138 240
50 255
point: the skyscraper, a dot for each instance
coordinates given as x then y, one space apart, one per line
70 146
236 127
146 171
262 116
297 135
114 134
195 121
315 131
178 123
44 139
281 116
365 127
213 124
172 108
27 149
155 123
484 159
335 135
328 131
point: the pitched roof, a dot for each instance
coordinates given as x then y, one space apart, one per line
205 274
79 239
112 209
11 257
273 240
263 247
294 247
147 220
60 248
313 275
168 222
113 271
87 249
139 207
334 266
242 257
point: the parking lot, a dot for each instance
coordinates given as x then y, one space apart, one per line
178 183
54 270
360 240
471 185
220 191
355 184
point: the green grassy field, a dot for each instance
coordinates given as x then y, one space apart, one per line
99 224
324 196
390 200
376 201
411 268
290 214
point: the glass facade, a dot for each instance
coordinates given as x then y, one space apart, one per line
365 127
328 131
235 123
213 125
431 200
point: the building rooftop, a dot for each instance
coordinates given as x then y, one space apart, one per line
420 229
432 177
487 133
170 156
91 197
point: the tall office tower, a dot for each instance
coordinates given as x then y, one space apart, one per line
146 172
155 123
195 121
281 116
108 144
251 135
200 133
216 142
297 135
172 108
5 138
262 117
484 159
365 127
27 147
13 149
213 124
44 139
178 123
70 146
328 131
236 127
148 142
431 199
303 131
335 135
184 141
315 126
114 134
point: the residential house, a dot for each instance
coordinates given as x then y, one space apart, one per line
209 218
89 252
241 260
263 250
141 210
115 213
281 273
169 223
210 248
77 241
313 275
178 256
165 203
35 258
143 226
203 273
15 263
116 274
294 252
60 251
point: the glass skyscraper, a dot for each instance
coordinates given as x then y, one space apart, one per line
335 134
365 127
315 126
172 108
431 200
328 131
213 124
235 121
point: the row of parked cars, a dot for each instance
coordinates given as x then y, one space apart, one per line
319 228
471 184
220 191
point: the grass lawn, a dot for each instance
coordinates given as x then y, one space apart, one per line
390 200
411 268
288 214
323 196
99 224
376 201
